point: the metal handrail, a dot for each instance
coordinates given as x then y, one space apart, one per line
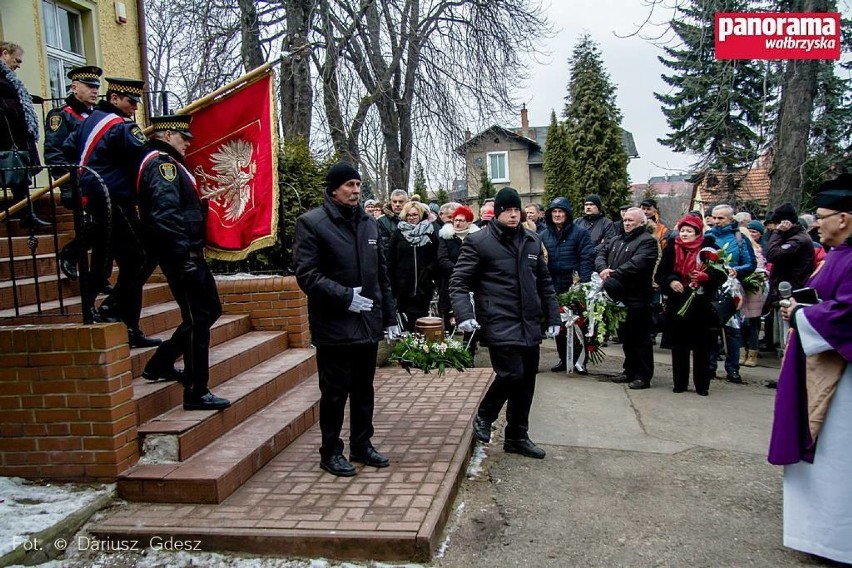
84 271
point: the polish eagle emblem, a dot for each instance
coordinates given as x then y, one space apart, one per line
230 186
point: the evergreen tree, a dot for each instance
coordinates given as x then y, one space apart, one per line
555 161
714 107
420 182
486 188
596 157
442 196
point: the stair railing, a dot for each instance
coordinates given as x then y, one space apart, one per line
81 223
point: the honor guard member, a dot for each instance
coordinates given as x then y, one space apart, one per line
174 229
110 143
58 126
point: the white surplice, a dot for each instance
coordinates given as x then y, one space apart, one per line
818 496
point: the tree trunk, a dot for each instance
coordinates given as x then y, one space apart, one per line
250 51
787 176
296 91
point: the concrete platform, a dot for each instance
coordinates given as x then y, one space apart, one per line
292 508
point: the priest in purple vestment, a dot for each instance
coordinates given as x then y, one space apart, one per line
812 430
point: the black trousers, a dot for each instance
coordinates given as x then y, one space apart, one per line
125 247
514 384
700 372
346 371
635 334
200 307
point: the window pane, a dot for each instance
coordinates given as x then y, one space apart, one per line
50 24
57 86
71 30
64 30
497 163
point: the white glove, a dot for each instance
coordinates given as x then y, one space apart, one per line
393 332
468 326
359 302
552 331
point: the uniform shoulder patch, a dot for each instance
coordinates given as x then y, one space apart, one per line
137 133
168 171
55 122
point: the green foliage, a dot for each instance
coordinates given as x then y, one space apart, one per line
420 182
486 188
597 160
715 109
555 162
301 187
442 196
414 351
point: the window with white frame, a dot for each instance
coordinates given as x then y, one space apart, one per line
63 33
498 166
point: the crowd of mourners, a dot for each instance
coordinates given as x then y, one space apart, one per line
659 272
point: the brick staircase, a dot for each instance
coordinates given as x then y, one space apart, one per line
258 359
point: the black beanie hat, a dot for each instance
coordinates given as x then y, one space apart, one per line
786 212
339 174
596 199
506 199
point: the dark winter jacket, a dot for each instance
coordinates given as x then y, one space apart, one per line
512 290
387 226
633 257
792 256
568 250
449 248
60 123
600 229
172 215
332 255
699 323
412 271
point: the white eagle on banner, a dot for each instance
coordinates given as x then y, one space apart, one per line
229 187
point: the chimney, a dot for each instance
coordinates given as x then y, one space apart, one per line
525 123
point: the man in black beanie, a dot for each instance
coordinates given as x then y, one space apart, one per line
350 307
504 268
593 220
790 250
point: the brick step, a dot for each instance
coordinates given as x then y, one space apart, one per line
20 247
64 223
226 328
223 466
227 360
49 287
152 293
179 434
26 266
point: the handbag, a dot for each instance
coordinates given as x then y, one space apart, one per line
13 165
724 307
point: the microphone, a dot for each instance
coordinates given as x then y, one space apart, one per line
785 290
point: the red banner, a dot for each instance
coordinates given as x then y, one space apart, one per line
233 159
782 35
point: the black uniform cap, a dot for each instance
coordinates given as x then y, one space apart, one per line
174 122
88 74
130 87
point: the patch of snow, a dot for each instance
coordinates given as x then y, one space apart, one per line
245 276
27 507
442 550
474 466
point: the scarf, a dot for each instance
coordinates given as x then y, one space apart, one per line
686 256
25 98
416 235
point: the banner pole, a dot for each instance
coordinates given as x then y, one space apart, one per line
242 80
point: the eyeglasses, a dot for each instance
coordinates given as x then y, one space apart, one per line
462 220
819 217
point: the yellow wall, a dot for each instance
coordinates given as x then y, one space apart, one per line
528 183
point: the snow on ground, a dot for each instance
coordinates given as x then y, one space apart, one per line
474 466
27 508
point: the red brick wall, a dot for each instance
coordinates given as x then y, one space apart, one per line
275 303
66 402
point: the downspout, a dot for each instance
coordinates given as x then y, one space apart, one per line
143 51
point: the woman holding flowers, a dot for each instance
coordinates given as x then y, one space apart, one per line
689 279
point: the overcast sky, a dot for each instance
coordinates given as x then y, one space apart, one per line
632 65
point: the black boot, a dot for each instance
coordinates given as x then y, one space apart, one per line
138 339
523 447
336 464
369 456
560 367
481 430
67 265
207 401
